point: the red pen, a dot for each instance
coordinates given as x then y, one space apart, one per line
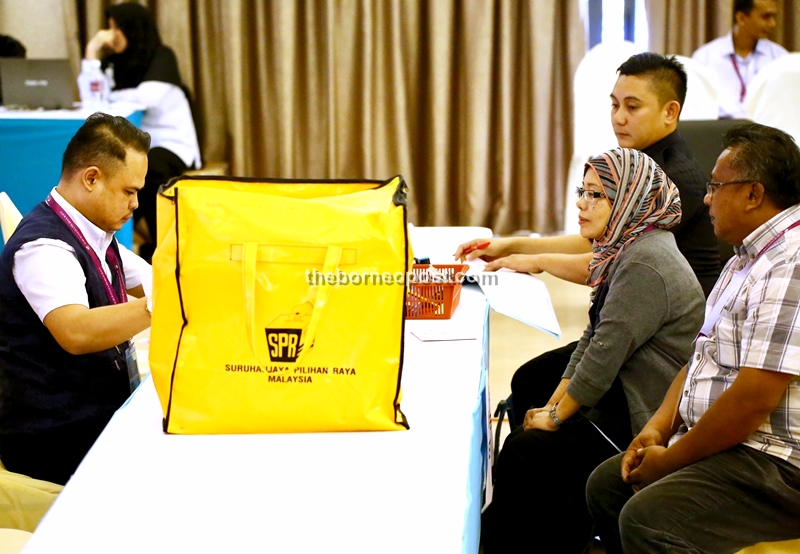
476 247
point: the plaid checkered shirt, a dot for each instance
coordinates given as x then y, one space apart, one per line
759 327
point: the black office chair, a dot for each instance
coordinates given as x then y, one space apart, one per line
503 407
704 137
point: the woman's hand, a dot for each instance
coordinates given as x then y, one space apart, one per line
104 38
492 249
523 263
539 418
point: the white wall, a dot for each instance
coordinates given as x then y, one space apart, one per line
38 24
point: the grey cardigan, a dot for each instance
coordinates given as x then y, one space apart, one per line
651 315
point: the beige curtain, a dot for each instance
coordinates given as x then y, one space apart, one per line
681 26
469 100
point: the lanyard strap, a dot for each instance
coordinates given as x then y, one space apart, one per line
743 90
111 257
712 315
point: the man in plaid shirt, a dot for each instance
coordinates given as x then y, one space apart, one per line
717 468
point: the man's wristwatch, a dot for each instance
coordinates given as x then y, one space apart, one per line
149 305
553 415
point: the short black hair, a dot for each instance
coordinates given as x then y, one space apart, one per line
745 6
11 47
768 156
667 75
102 141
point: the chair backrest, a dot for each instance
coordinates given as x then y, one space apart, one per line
705 140
592 131
12 541
702 91
24 501
9 216
772 95
594 80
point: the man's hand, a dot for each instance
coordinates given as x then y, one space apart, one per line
80 330
523 263
538 418
653 465
634 454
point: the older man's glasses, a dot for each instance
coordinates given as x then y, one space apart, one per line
589 195
712 186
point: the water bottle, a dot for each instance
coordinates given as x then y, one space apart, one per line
93 86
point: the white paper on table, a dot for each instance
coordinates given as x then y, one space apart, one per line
428 330
476 266
439 243
523 297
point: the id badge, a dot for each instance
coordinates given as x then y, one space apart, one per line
133 367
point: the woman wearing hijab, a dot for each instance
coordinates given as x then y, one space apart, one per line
143 70
647 307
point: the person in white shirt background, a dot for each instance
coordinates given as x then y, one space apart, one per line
145 71
66 360
739 55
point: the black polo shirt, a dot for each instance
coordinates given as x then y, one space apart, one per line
694 234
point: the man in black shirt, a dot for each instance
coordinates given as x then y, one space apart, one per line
645 105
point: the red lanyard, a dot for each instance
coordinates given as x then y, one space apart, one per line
735 283
777 237
111 257
741 80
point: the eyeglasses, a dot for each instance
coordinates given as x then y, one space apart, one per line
711 186
589 195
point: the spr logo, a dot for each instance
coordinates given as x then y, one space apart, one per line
284 344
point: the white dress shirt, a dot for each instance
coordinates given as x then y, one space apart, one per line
167 117
49 275
718 56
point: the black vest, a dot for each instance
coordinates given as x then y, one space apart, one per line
42 385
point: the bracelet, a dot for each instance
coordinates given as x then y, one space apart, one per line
553 415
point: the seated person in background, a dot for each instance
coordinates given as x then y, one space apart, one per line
717 468
10 48
646 309
739 55
65 318
146 72
645 106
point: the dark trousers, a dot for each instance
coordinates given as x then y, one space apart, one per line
52 455
535 381
162 165
722 504
539 501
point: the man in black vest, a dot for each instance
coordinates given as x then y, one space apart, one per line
66 363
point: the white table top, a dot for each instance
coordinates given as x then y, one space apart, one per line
139 490
117 108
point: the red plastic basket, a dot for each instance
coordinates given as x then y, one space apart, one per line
430 299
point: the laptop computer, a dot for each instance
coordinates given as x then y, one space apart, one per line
36 83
